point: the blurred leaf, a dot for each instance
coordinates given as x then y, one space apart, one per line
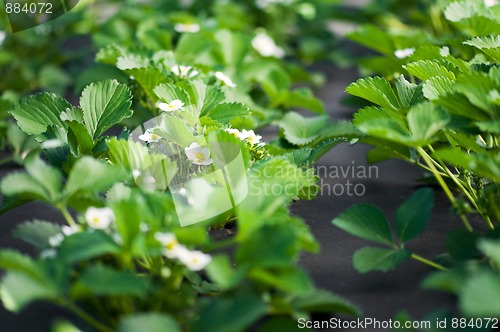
413 215
378 259
101 280
365 221
152 322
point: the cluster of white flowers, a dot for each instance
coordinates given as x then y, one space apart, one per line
198 155
404 53
174 105
266 46
56 240
249 135
225 79
194 260
184 71
187 27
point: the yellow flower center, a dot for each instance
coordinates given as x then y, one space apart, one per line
199 156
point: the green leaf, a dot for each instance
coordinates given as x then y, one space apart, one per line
489 45
413 215
289 279
304 98
105 104
37 113
131 155
18 290
299 130
233 46
425 120
151 322
169 92
322 301
173 129
228 315
436 87
378 259
425 69
101 280
377 90
408 93
79 139
374 38
365 221
37 232
12 260
477 86
77 247
491 249
225 112
382 124
148 78
21 184
480 294
47 176
220 271
191 46
102 177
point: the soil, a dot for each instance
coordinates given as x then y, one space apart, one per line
378 295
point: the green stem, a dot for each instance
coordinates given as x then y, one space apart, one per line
88 318
428 262
428 160
67 215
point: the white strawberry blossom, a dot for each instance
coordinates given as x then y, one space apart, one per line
169 243
187 27
198 155
194 260
184 71
99 218
266 46
404 53
174 105
225 79
246 135
148 137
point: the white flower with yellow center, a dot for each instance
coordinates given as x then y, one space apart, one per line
99 218
225 79
170 244
198 155
184 71
266 46
404 53
194 260
149 137
174 105
187 27
250 136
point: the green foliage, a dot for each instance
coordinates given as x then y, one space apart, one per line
368 222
